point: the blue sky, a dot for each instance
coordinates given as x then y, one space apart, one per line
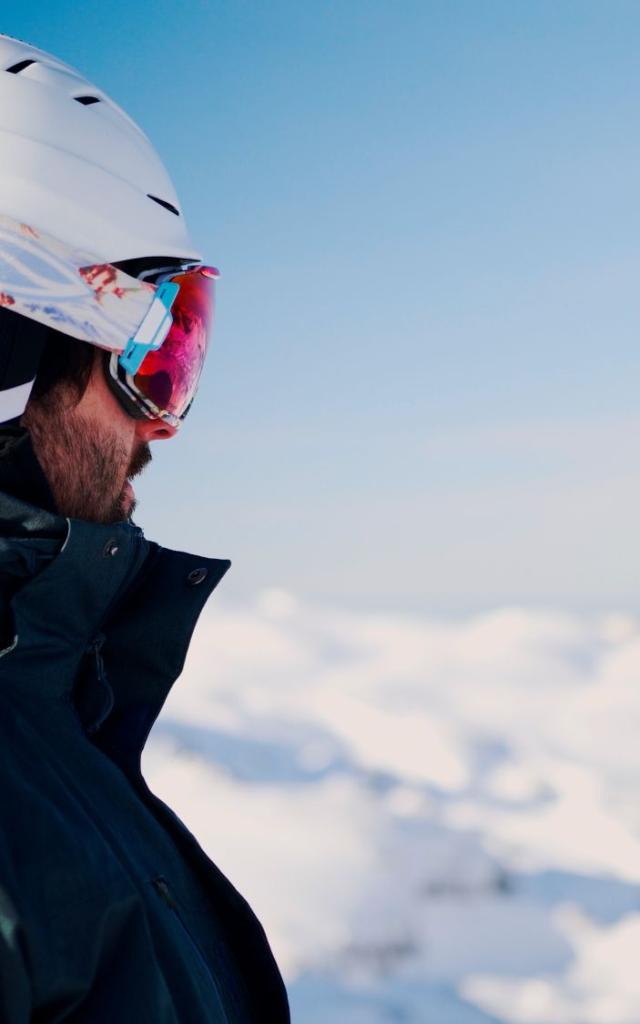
423 388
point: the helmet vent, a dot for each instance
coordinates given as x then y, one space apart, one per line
163 202
87 100
15 69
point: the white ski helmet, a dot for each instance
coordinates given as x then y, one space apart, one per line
81 187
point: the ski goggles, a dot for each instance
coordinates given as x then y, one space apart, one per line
157 374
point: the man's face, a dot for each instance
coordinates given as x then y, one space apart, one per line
89 450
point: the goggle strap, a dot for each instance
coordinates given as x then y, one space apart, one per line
153 330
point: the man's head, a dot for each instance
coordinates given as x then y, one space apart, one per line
89 227
93 247
88 446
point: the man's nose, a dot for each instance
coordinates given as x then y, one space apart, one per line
154 430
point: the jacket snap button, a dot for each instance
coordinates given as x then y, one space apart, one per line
197 576
110 548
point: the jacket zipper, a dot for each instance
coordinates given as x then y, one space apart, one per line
161 886
95 648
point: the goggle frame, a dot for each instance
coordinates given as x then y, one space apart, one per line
121 367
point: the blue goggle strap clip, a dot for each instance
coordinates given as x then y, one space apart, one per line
153 330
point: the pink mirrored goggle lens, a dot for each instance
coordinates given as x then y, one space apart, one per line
168 377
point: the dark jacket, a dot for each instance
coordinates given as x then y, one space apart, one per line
110 912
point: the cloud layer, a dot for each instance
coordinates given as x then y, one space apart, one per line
431 816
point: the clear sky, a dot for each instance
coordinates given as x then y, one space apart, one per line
423 390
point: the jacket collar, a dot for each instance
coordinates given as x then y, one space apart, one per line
20 472
103 620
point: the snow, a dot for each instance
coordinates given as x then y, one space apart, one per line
435 819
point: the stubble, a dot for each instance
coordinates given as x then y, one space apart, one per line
87 468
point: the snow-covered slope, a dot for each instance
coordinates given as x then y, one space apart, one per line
436 820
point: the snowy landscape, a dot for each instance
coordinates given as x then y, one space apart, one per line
436 819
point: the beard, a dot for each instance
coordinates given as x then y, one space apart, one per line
124 506
87 467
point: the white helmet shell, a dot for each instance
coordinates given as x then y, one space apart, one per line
75 166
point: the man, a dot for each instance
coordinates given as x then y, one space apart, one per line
109 909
